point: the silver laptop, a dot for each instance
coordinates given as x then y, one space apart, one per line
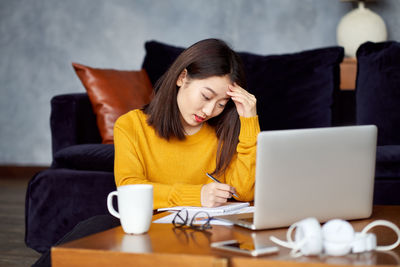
321 172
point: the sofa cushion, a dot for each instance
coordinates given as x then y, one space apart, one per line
163 54
113 93
388 161
95 157
292 90
378 91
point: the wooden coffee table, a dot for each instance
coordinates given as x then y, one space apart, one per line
164 245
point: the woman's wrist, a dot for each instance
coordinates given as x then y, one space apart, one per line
249 128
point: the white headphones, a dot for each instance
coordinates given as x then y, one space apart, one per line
335 238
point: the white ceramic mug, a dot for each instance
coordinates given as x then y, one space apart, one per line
135 206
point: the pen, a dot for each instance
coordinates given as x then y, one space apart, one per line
217 181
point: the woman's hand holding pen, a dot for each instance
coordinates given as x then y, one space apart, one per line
244 101
216 194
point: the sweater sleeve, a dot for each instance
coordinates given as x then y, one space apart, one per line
241 171
129 168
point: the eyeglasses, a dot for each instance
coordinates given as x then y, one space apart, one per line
199 221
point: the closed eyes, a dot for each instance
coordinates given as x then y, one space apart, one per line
220 105
206 97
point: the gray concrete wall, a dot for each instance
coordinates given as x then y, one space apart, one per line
40 38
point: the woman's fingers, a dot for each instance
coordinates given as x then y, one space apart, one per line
239 91
244 101
215 194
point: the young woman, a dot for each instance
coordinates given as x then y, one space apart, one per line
200 120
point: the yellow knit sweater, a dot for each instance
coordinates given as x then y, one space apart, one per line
177 168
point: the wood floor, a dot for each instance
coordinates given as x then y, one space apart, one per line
13 251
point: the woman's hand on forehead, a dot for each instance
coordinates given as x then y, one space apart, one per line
244 101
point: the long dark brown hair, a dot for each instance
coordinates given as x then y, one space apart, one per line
206 58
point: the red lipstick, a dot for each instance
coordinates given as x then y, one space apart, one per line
198 119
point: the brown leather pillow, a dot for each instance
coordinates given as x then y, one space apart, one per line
113 93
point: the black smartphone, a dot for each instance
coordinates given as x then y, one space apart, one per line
244 247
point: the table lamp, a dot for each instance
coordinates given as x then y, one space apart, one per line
358 26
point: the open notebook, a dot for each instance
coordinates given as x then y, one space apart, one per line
228 208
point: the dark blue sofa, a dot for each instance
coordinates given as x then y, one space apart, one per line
298 90
378 103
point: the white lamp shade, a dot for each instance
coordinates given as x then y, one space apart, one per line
359 26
